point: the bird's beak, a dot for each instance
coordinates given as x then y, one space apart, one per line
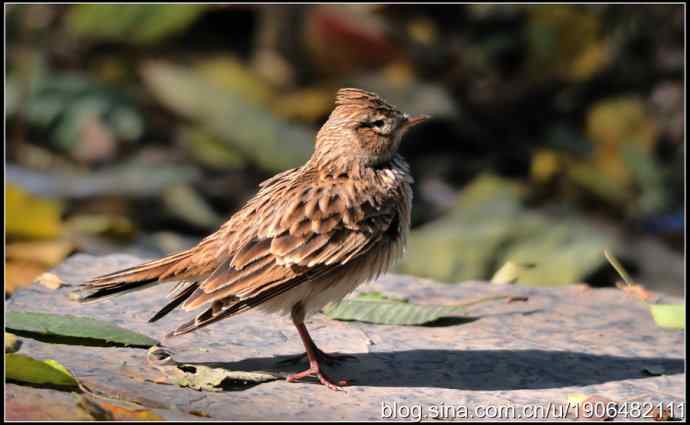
411 121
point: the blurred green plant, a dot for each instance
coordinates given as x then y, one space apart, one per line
489 226
131 23
82 115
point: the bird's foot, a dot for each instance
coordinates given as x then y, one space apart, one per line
314 371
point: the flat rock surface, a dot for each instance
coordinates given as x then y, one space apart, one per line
558 343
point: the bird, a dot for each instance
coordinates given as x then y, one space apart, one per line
309 237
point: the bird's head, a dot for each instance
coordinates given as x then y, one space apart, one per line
365 126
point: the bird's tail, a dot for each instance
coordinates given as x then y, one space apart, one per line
135 278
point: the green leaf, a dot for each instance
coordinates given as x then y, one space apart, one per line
390 313
131 23
377 308
21 368
378 296
273 143
73 329
670 316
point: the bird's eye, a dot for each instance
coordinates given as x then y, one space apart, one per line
378 123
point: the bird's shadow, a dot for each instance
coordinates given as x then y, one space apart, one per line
487 370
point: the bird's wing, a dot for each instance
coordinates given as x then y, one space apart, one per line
299 225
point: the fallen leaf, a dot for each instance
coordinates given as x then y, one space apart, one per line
119 413
22 368
73 329
200 377
375 308
204 378
12 343
92 408
49 280
670 316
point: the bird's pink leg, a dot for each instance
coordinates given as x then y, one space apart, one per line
314 367
322 357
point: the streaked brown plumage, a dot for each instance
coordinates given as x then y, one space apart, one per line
309 236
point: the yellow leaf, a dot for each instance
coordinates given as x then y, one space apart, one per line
30 216
23 368
670 316
12 344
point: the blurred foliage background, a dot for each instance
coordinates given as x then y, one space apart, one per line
558 130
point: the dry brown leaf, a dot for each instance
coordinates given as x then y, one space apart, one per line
123 414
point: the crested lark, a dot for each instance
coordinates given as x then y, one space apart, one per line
310 236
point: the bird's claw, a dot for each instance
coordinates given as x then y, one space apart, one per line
323 378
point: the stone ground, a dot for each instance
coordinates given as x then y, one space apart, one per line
558 343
